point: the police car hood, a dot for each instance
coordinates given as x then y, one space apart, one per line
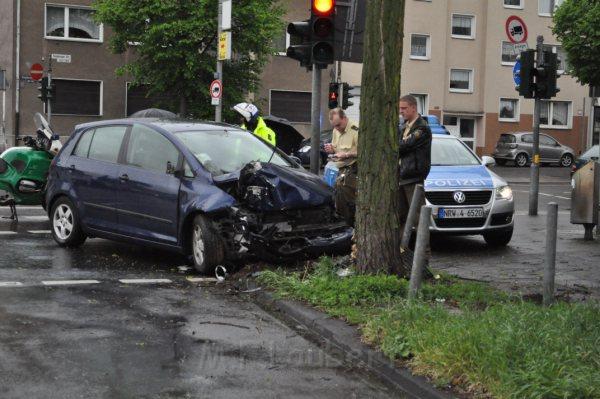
462 177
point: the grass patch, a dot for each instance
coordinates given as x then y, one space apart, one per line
465 333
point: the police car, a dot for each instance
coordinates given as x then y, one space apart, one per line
465 196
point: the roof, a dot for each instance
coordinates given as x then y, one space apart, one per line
170 125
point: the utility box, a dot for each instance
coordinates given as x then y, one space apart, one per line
585 197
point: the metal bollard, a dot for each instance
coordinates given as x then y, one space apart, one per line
411 219
550 260
419 259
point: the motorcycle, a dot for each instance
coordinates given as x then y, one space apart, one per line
24 169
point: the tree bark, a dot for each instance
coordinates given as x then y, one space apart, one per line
378 217
182 106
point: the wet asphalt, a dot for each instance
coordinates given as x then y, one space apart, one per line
168 339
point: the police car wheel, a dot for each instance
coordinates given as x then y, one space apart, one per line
499 238
521 160
206 246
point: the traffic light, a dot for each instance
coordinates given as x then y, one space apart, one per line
323 31
43 89
547 76
527 74
346 96
334 93
300 42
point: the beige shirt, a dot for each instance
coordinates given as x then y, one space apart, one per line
345 141
407 129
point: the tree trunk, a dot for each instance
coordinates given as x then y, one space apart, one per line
182 107
378 217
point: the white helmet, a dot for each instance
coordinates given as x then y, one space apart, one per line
247 110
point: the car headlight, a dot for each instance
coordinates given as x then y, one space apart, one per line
504 193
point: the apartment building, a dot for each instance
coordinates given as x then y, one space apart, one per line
458 62
83 69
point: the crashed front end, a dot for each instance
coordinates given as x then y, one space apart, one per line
281 213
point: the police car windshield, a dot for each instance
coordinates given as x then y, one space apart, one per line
451 152
226 151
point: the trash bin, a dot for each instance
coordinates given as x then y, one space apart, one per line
585 197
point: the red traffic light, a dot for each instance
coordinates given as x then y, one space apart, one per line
323 7
333 96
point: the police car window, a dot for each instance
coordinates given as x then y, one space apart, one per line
226 151
148 149
106 143
451 152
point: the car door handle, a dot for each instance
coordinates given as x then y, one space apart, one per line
124 177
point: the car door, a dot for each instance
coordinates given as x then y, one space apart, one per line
148 190
550 150
93 171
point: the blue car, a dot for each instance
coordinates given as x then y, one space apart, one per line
466 197
210 191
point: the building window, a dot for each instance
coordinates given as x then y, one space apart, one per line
545 7
556 114
77 97
463 26
71 23
461 80
422 106
419 47
513 3
509 110
291 105
510 52
562 56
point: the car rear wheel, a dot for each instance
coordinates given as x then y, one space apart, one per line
521 160
566 160
66 227
207 247
499 238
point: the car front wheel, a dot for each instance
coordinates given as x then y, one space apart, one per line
499 238
66 227
566 160
521 160
207 247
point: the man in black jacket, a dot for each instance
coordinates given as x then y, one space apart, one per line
415 153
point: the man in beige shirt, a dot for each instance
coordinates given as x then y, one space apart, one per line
344 152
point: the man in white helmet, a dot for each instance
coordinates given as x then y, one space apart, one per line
254 123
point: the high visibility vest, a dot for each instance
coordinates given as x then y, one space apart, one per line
264 132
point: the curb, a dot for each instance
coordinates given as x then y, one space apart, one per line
542 182
347 339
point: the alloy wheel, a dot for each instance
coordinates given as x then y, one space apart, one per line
62 222
198 245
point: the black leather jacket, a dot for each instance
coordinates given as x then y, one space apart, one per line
415 153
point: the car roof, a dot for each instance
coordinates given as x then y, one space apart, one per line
170 125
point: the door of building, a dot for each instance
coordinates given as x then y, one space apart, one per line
461 127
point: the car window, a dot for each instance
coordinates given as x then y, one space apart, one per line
507 138
106 143
545 140
226 151
527 138
148 149
451 152
83 146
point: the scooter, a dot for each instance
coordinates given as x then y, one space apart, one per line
24 169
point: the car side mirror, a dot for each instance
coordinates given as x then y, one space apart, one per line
488 161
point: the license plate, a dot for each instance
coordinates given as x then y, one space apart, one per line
460 213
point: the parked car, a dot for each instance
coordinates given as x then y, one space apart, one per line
466 197
590 155
303 153
518 148
210 191
434 124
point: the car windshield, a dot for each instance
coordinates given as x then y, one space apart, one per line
592 152
451 152
225 151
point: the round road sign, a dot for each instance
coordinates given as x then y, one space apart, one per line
216 89
517 73
516 30
36 71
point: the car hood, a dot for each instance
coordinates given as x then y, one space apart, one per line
268 187
462 177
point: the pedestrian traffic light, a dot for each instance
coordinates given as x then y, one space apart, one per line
346 96
300 42
43 89
527 74
323 31
547 75
334 93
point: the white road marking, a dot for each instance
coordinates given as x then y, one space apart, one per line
39 231
10 284
201 279
145 281
34 218
69 282
7 233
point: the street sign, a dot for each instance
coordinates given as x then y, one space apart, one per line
216 92
62 58
224 46
517 73
516 30
36 71
226 15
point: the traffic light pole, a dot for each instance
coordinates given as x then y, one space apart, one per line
534 186
219 74
315 141
49 102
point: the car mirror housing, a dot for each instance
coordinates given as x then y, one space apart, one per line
488 161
